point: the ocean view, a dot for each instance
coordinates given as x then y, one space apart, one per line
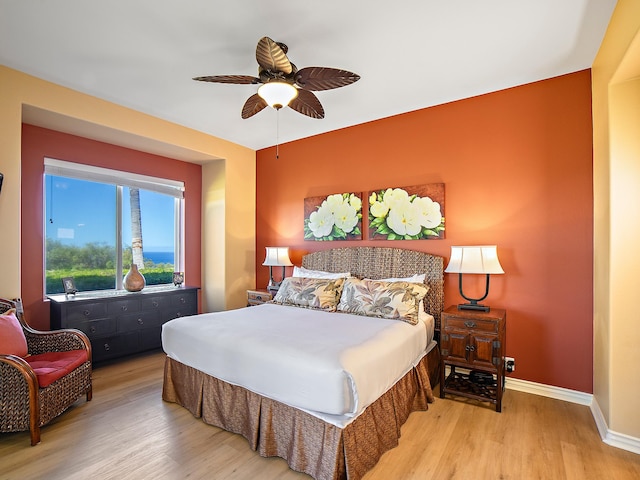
159 257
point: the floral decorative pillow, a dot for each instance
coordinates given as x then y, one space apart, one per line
423 316
375 298
317 293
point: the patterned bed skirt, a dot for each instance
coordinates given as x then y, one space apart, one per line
307 443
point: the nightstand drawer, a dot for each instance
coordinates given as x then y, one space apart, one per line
256 297
471 324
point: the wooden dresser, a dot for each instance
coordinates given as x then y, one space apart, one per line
122 323
472 346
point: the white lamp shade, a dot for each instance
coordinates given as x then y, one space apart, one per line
277 257
474 259
278 94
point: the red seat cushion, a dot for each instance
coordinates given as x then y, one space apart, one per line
12 340
51 366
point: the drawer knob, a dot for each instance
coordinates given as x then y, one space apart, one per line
155 303
140 321
469 324
92 329
183 300
86 313
107 347
124 308
470 348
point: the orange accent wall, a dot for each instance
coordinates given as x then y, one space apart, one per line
517 169
38 143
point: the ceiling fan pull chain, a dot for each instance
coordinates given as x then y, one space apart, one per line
277 134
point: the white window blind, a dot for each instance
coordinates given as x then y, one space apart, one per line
115 177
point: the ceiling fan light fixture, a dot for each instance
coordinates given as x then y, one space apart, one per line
284 85
278 94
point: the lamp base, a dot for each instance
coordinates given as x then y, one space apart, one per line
473 306
273 289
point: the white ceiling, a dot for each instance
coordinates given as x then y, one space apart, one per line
410 54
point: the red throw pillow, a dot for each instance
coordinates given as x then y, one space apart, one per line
12 341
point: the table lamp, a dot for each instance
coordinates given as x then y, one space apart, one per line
474 260
276 257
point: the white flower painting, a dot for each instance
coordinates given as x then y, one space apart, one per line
408 213
335 217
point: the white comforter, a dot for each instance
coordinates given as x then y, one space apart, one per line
331 363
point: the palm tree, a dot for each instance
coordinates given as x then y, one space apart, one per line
136 228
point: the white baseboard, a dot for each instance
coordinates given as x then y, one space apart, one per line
549 391
618 440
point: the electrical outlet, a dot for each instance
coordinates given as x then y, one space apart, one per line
510 364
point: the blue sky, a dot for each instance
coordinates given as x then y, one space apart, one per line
80 212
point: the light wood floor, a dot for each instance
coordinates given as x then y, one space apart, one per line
128 432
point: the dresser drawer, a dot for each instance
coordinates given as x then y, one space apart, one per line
177 312
123 306
150 338
155 303
99 327
83 312
183 299
136 321
181 305
470 324
114 346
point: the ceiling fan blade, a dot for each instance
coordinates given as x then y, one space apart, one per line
237 79
307 104
324 78
271 56
254 104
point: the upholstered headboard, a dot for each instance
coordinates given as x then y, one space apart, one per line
384 262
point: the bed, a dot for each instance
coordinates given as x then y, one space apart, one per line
326 413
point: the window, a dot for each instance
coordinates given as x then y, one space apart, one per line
99 221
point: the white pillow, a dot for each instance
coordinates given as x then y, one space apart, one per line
306 273
422 315
417 278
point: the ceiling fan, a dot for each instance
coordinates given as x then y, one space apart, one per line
283 84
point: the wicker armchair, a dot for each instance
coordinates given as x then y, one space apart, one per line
37 387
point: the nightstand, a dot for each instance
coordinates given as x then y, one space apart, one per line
474 342
258 297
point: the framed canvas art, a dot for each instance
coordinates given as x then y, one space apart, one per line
407 213
333 217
